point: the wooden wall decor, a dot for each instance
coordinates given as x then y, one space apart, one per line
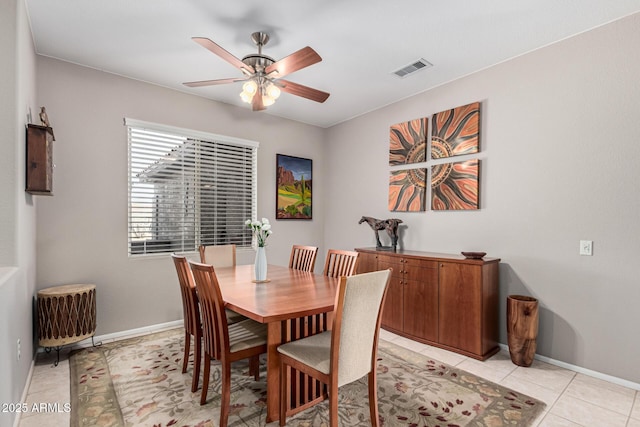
407 189
408 142
39 167
455 132
454 186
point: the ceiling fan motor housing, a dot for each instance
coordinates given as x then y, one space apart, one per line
258 61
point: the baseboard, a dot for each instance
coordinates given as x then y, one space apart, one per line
581 370
131 333
121 335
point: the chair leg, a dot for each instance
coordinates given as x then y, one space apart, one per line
333 404
205 379
284 378
225 398
254 367
373 398
197 356
187 347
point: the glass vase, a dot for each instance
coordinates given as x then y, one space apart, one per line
261 264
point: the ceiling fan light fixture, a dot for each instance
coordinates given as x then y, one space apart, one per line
267 100
248 90
246 97
250 87
273 91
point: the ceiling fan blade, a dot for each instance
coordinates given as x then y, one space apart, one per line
256 102
212 82
294 62
303 91
222 53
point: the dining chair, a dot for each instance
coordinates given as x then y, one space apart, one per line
340 263
345 353
191 313
222 341
221 256
303 257
218 255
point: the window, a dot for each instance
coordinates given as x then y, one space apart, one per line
188 188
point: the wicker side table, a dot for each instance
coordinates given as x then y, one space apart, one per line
66 315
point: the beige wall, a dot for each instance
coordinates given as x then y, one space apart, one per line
82 229
17 210
560 161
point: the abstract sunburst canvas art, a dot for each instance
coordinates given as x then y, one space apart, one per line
455 132
407 190
454 186
408 142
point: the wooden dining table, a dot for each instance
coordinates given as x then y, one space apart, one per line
291 302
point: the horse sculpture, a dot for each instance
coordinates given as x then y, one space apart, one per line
391 225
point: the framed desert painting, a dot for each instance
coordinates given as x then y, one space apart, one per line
294 181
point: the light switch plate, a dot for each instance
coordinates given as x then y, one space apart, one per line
586 247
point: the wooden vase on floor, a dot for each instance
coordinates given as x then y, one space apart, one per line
522 328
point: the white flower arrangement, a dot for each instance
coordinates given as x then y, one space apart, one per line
260 229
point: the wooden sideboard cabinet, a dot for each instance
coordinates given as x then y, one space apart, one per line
443 300
39 160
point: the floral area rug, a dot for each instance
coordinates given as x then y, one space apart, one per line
138 382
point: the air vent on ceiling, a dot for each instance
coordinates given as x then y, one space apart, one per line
420 64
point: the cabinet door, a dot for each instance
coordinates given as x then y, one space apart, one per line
392 313
421 299
460 314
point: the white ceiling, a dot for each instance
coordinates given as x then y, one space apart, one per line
361 42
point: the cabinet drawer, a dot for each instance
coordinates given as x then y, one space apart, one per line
420 263
388 260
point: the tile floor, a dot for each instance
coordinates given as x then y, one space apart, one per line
572 399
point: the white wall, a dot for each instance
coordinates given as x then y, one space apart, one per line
560 162
82 229
17 210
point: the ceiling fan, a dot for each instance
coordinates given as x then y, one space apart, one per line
263 75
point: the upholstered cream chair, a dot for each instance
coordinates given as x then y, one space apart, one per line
221 256
303 257
218 255
340 263
348 351
191 313
222 341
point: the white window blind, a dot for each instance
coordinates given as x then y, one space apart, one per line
188 188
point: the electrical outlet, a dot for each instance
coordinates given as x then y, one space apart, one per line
586 247
19 352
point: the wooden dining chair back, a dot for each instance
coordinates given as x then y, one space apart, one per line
221 256
223 341
347 352
218 255
303 258
340 263
192 323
